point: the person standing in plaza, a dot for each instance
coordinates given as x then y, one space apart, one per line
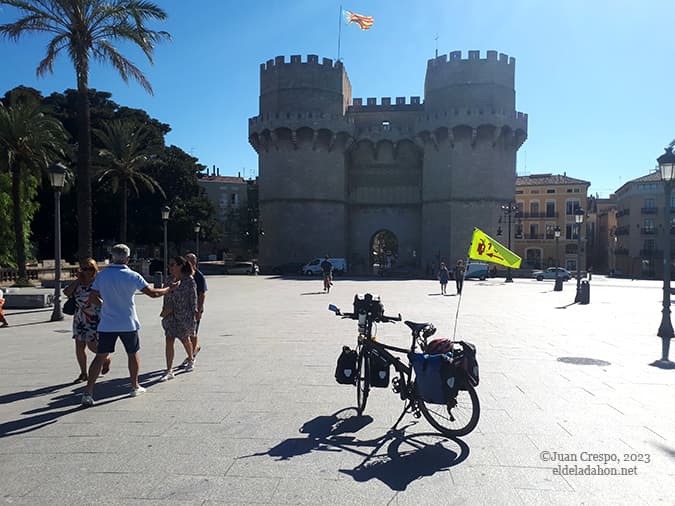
327 271
200 281
3 320
114 289
86 317
458 272
443 277
178 314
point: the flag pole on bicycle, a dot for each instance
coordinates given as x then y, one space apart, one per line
485 249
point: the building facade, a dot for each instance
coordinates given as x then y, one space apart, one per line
403 179
547 201
641 226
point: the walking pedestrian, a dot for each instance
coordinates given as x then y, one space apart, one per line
3 320
200 281
86 317
443 277
178 314
114 288
458 272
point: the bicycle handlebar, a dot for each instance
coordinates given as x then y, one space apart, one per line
380 319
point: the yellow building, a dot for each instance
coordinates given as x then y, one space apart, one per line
547 201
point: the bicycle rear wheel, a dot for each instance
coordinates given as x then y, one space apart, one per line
453 421
362 379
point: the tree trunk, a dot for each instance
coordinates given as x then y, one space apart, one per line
19 232
84 202
123 214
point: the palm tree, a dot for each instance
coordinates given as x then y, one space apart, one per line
86 29
29 140
125 153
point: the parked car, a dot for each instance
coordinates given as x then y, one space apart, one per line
290 268
550 273
314 266
241 268
476 270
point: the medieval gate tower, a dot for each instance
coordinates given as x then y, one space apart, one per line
406 180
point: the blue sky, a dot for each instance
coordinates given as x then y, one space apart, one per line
596 77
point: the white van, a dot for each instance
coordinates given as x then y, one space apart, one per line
314 266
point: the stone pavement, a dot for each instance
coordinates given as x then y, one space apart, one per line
261 419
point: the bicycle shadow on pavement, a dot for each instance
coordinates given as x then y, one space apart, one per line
396 458
105 392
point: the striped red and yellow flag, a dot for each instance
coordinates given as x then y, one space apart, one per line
364 22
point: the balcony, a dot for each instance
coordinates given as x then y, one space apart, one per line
622 231
651 253
538 215
648 230
648 210
533 237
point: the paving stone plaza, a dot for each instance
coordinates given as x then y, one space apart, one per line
261 419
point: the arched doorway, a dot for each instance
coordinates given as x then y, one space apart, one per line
383 252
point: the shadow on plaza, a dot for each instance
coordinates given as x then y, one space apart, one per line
66 403
396 458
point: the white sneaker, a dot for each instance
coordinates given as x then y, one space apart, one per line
137 391
190 366
87 400
184 363
168 376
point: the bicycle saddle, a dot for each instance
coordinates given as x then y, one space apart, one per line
417 327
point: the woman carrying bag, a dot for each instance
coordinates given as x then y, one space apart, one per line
86 317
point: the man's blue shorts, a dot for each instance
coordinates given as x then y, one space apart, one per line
130 340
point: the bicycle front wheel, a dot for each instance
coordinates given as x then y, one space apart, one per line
456 420
362 379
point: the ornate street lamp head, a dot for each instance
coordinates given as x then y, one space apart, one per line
166 210
556 231
579 215
198 227
57 176
667 165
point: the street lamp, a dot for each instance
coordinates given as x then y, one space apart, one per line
57 177
667 167
166 210
508 210
579 219
198 227
558 280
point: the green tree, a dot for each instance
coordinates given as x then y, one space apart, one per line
86 29
126 151
29 141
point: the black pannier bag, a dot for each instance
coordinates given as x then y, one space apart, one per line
379 370
469 363
345 372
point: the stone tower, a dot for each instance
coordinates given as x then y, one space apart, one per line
403 180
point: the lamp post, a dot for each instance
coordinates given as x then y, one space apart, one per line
198 227
508 210
667 168
579 219
166 210
558 280
57 177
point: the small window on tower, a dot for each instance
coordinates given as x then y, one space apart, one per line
386 126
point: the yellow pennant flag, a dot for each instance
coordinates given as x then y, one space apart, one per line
486 249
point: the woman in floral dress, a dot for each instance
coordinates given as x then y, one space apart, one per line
86 317
178 313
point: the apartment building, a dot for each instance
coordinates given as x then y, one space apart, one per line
547 201
640 230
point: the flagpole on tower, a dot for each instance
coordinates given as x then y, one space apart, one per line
339 31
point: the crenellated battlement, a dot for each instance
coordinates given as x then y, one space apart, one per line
400 104
296 59
455 57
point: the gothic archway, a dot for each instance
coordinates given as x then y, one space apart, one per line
383 251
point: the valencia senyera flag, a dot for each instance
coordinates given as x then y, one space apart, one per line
364 22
